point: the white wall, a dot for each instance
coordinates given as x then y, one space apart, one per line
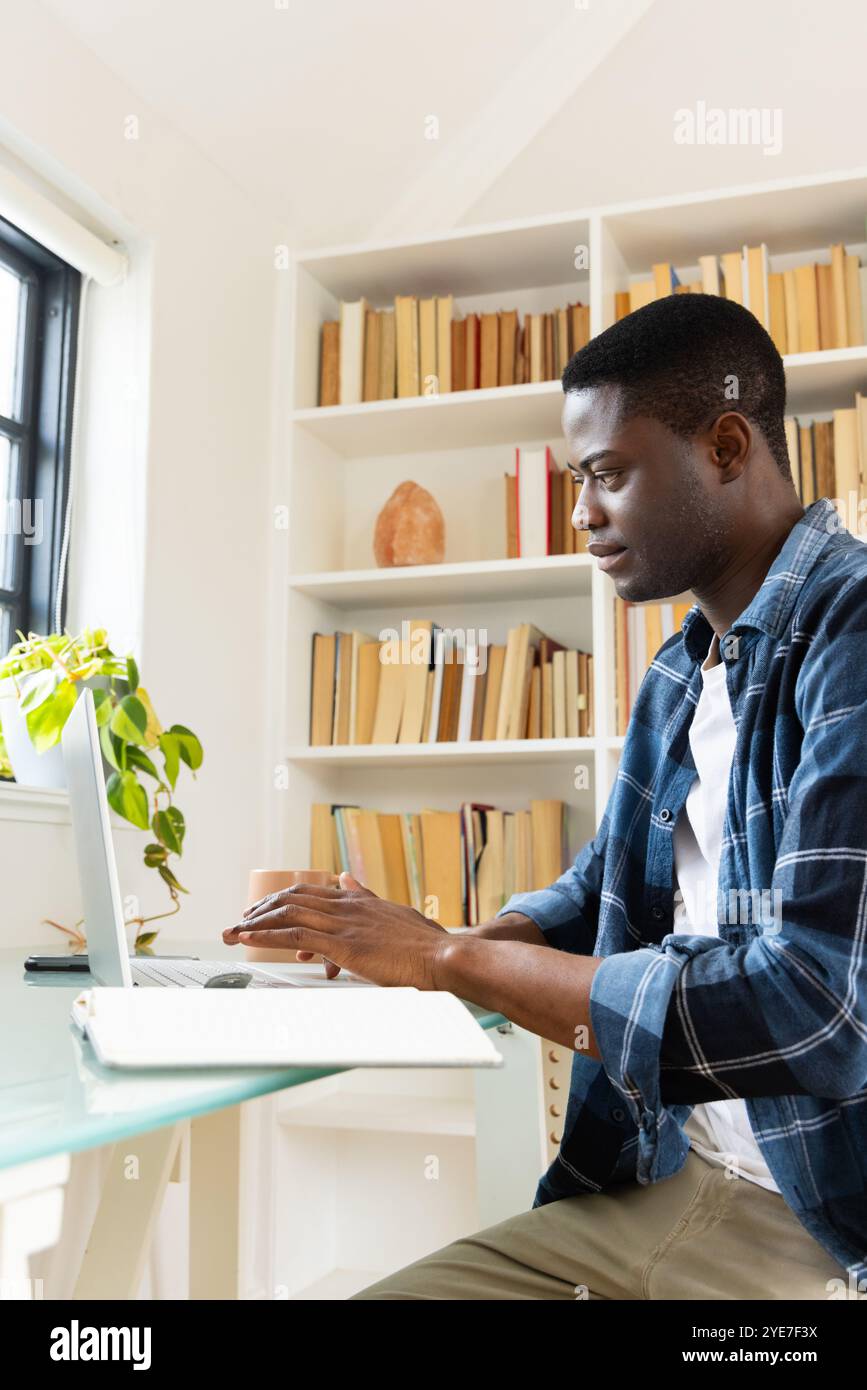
175 441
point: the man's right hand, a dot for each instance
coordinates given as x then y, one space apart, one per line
512 926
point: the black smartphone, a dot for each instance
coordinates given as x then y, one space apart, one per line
79 963
56 963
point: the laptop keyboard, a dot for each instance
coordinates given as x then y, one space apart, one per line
191 973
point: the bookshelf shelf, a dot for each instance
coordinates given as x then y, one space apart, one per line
549 576
466 419
821 381
456 419
382 1112
530 750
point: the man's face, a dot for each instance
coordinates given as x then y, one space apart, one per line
647 490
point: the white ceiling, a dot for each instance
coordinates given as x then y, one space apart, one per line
317 110
612 139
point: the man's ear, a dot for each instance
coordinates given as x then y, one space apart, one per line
731 442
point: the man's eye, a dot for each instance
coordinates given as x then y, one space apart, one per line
602 476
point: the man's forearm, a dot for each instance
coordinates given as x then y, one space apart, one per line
512 926
543 990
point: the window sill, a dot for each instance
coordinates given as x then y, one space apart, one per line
49 805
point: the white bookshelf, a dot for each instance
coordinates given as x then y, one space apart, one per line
334 469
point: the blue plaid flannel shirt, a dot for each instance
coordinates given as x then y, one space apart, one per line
775 1010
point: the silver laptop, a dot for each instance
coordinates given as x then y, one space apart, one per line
108 954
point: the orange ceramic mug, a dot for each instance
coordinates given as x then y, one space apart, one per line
264 881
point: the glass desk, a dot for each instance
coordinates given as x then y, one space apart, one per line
56 1099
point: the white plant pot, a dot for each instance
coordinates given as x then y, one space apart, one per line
32 769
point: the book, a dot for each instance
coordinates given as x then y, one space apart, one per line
793 450
342 687
790 294
353 317
838 295
808 476
367 692
508 347
418 661
854 316
756 258
390 697
639 631
825 300
387 356
533 501
710 281
641 292
496 663
777 312
548 841
536 356
329 364
665 279
847 480
441 852
472 352
823 453
322 688
445 311
407 344
427 347
372 354
807 308
459 355
489 351
732 271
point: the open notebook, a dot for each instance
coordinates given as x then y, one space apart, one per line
396 1027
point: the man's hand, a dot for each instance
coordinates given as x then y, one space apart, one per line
351 927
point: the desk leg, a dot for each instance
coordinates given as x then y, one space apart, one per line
135 1184
215 1204
510 1130
31 1207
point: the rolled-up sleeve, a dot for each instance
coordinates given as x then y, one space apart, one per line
698 1019
567 911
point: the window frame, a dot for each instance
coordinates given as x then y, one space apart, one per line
44 432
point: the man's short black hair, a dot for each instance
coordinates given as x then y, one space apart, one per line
680 359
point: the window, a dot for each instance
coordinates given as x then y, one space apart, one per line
39 297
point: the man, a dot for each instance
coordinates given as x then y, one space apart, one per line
715 1140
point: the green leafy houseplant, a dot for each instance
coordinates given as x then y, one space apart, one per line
45 674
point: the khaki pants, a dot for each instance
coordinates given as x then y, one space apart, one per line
696 1235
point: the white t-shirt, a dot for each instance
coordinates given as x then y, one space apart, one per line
719 1130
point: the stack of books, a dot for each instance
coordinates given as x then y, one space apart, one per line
828 458
639 632
540 500
808 308
431 684
457 868
422 347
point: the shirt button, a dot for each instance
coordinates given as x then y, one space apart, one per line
657 914
665 814
617 1114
